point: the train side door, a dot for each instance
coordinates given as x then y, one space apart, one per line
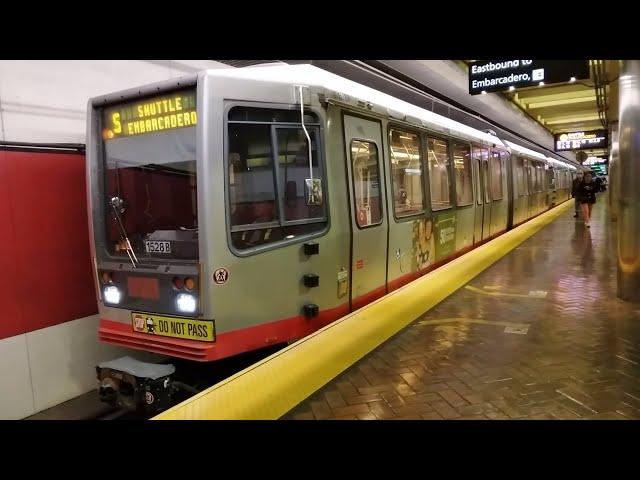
486 218
479 206
364 154
483 200
510 171
531 179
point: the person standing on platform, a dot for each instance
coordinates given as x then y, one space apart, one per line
586 195
574 189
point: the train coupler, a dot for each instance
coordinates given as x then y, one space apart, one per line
135 385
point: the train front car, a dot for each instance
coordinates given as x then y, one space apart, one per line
245 208
207 219
143 187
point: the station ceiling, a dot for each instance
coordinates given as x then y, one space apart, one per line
573 106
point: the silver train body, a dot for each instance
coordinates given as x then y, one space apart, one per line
264 247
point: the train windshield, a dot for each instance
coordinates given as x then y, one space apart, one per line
150 177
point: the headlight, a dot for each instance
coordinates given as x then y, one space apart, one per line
186 302
112 294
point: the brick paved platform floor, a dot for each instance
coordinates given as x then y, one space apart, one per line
539 335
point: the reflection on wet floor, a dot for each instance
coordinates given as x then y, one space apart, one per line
539 335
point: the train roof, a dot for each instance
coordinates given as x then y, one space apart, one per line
526 151
537 155
309 75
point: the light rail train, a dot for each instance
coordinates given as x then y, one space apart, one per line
243 208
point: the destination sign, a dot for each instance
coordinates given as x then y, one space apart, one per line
150 115
582 140
499 75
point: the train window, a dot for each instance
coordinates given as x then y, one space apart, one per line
520 176
477 156
293 169
251 180
540 170
505 158
406 172
531 177
496 175
462 168
536 177
479 184
265 189
366 183
156 175
438 152
485 179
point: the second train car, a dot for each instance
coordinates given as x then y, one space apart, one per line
241 208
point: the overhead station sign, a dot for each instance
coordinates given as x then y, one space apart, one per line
499 75
583 140
600 169
597 164
150 115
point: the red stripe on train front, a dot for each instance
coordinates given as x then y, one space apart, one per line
226 344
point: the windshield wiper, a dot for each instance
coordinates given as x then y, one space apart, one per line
117 205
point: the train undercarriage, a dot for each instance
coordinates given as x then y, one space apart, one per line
150 388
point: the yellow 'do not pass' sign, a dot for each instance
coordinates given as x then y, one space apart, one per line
188 328
150 115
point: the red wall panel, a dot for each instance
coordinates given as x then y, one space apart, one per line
11 318
53 281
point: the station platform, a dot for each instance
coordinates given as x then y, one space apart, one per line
538 335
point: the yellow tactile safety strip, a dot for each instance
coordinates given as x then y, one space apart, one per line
272 387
